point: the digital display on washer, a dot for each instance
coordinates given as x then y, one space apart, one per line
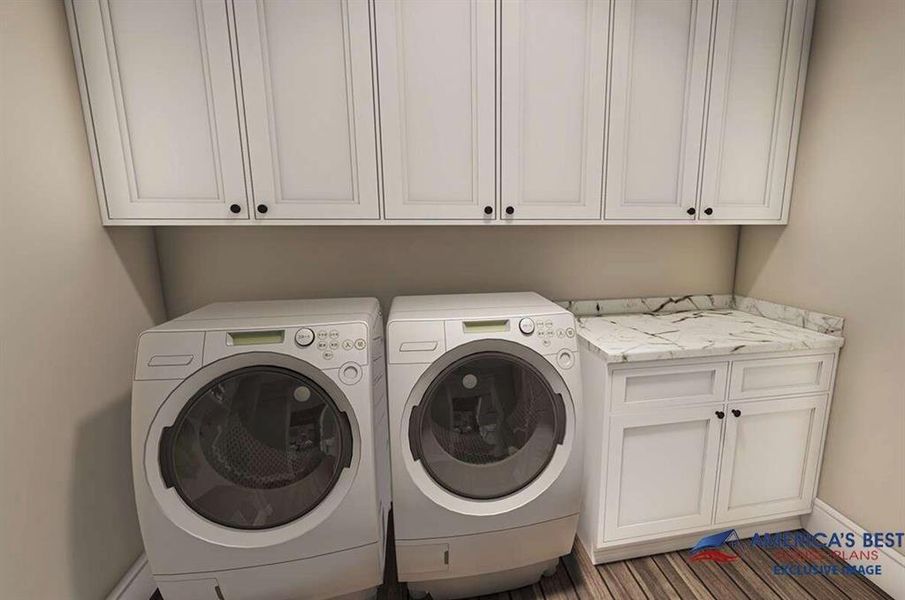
253 338
499 326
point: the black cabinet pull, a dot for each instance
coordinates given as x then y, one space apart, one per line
488 210
235 209
691 211
736 412
720 414
708 211
510 210
262 208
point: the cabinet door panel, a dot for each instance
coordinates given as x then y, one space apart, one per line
656 109
553 86
163 106
758 67
661 472
306 75
437 80
770 457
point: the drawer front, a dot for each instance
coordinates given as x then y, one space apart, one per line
780 376
636 390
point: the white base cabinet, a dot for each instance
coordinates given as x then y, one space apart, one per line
691 445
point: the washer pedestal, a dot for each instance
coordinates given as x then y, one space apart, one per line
480 585
484 563
348 575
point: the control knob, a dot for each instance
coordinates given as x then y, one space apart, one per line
304 337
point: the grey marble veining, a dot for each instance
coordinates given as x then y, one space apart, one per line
696 333
659 305
801 317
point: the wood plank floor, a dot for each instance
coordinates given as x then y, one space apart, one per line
674 576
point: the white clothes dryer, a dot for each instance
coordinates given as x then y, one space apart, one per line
260 450
486 451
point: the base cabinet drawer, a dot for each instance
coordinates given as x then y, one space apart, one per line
771 450
646 388
661 472
762 378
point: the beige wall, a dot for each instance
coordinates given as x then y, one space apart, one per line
74 295
72 299
201 265
843 251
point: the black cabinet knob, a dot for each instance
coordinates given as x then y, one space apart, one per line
736 412
691 211
262 208
720 414
235 209
510 210
488 210
708 211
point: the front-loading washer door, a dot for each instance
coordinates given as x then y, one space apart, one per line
489 423
255 448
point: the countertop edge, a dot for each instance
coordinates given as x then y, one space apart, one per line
652 356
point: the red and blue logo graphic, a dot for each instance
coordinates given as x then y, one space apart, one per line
708 548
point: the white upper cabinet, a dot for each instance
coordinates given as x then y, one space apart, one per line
437 88
759 60
309 108
442 111
656 113
163 116
553 97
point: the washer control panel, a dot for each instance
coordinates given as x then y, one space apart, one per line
326 346
548 334
550 330
334 344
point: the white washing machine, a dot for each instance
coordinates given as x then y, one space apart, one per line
486 454
260 450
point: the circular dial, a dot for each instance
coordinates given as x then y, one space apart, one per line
304 337
565 359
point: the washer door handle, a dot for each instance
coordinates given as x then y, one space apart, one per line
163 455
414 440
559 413
346 430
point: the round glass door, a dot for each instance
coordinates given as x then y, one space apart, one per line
256 448
487 425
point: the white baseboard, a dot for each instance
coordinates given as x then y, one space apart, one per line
827 519
136 584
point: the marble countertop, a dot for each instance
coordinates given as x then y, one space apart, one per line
695 333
